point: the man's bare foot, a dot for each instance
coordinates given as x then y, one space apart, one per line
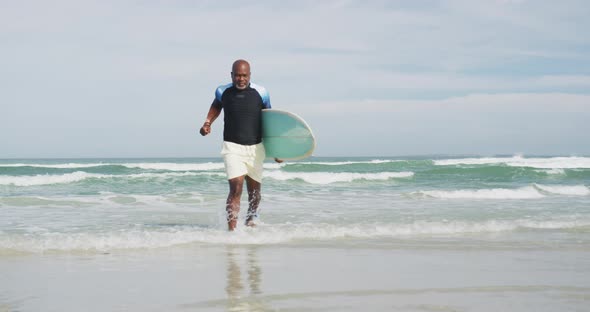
250 223
231 225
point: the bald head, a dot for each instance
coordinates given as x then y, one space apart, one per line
239 64
240 74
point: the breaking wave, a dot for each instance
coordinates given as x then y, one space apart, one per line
142 238
527 192
334 177
519 161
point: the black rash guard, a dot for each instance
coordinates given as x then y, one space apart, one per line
242 109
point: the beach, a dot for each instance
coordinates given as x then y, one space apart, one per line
422 233
300 278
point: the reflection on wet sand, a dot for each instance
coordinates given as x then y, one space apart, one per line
240 298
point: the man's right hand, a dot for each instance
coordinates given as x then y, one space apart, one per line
205 129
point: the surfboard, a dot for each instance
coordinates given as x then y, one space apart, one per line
285 135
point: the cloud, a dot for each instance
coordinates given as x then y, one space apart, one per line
474 103
565 81
463 82
69 65
440 46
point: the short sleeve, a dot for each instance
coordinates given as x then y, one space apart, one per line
219 93
263 94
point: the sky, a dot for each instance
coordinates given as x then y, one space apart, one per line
372 78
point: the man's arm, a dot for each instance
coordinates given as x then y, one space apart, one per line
214 112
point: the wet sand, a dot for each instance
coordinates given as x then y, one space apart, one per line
298 278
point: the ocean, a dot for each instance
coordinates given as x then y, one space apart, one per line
428 233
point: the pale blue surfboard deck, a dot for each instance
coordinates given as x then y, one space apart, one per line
285 135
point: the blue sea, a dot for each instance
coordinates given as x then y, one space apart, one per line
517 227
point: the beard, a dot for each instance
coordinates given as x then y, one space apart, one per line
241 87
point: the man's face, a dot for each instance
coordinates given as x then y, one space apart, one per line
240 76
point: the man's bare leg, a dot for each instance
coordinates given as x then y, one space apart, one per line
254 197
233 201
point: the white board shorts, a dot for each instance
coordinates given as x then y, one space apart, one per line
243 160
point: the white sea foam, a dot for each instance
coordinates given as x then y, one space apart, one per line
519 161
573 190
57 166
141 238
47 179
105 199
273 165
333 177
528 192
176 166
147 166
340 163
309 177
555 171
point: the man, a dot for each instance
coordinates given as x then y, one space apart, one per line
243 153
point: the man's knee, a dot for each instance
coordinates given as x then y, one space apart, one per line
236 186
235 192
